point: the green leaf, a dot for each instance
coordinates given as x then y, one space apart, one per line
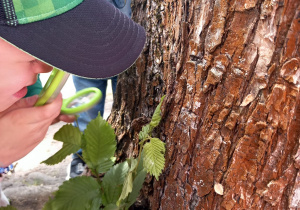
138 181
156 118
106 165
137 186
111 207
145 132
132 164
8 208
49 204
59 156
68 134
78 193
154 160
141 163
113 182
71 138
128 183
95 204
127 188
99 145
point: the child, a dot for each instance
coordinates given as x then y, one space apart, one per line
89 38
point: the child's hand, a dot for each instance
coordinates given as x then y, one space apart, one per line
23 127
65 118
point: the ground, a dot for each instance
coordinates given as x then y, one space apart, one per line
30 186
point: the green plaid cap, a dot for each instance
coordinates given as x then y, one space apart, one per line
28 11
88 38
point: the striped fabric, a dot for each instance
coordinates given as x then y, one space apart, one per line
7 13
28 11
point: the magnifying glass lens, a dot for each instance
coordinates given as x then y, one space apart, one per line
84 99
81 101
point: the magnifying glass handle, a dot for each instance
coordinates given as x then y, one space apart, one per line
80 102
52 87
63 81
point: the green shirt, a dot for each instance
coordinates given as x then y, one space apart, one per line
34 89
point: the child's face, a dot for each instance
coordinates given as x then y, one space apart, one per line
17 71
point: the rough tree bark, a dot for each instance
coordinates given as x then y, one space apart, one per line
231 118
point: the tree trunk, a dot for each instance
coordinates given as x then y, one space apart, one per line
231 117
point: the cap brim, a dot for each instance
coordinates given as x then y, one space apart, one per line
92 40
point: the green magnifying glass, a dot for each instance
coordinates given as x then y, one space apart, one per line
83 100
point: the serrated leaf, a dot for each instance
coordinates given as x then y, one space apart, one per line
111 207
141 163
78 193
137 186
71 138
132 164
68 134
8 208
113 182
95 204
139 175
127 188
105 165
59 156
83 142
144 133
156 118
154 160
139 179
48 205
99 145
128 183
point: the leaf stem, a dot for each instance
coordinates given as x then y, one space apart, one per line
80 157
94 171
97 175
140 153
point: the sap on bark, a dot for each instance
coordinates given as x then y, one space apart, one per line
219 189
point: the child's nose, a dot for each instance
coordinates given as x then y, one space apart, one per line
41 67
